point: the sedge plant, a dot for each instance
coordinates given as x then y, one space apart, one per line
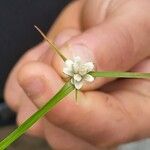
78 73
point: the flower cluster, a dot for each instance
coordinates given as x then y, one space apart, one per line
78 71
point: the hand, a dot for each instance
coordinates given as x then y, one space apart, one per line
115 35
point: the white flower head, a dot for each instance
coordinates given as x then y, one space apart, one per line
78 71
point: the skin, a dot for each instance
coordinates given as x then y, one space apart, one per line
115 35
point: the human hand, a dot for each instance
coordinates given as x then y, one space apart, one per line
119 111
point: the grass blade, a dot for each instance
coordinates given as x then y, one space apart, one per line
65 90
118 74
51 44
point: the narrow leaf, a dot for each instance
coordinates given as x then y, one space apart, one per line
51 44
118 74
64 91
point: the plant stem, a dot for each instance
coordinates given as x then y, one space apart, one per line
64 91
51 44
118 74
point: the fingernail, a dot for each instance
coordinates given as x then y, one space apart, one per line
61 39
34 87
73 50
65 35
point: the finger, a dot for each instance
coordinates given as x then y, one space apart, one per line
13 94
51 132
61 139
143 66
66 35
56 137
35 79
112 45
39 87
100 118
25 111
69 18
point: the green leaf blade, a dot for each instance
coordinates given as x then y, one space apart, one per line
118 74
64 91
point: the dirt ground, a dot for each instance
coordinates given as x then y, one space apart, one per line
25 142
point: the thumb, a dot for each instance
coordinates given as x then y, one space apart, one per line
111 46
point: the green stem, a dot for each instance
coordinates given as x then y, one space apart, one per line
65 90
118 74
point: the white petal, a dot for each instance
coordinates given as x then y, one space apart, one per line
72 80
89 78
68 63
78 85
67 71
76 67
90 66
83 70
77 77
77 64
